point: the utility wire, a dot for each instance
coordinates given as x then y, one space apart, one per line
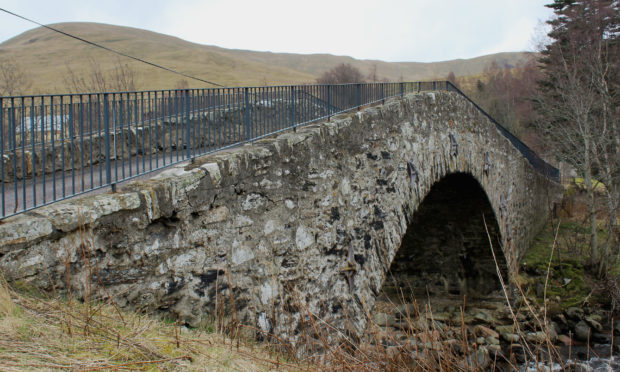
111 50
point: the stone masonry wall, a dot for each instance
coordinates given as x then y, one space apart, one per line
302 223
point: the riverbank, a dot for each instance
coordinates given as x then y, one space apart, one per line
554 315
41 331
557 315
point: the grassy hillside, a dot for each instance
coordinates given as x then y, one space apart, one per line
316 64
46 57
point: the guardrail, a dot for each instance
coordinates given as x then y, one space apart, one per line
54 147
539 164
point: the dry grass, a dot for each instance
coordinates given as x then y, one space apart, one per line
42 333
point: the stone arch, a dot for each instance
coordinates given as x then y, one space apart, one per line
445 249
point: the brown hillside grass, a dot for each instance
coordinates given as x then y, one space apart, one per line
46 56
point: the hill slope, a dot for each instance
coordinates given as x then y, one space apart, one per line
47 57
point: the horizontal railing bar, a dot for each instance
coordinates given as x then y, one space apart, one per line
538 163
186 89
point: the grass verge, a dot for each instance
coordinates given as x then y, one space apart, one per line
43 333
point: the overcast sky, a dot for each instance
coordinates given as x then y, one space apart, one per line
389 30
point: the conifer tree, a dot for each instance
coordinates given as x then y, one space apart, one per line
579 105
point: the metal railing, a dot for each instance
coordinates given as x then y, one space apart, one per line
57 146
539 164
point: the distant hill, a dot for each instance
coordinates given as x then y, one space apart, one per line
47 57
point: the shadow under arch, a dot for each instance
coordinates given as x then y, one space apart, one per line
446 250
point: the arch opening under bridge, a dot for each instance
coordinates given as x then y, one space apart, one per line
446 250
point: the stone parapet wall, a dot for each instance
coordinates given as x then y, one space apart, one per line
276 225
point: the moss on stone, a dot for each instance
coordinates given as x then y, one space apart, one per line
567 276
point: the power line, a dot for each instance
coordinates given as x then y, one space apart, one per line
112 50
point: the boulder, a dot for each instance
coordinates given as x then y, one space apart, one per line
555 327
594 322
552 332
484 317
405 311
601 337
510 337
384 320
519 353
582 331
536 337
401 336
478 360
506 329
565 340
574 313
492 340
495 349
440 316
561 319
483 331
454 344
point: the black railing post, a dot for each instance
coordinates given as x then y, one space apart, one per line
402 89
329 102
106 129
188 142
246 98
382 93
359 96
71 136
293 108
2 139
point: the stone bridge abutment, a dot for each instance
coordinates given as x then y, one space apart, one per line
303 223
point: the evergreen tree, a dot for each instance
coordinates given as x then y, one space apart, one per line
579 104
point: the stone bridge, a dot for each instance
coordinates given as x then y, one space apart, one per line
300 226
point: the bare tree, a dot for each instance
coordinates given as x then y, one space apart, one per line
506 93
182 84
579 103
452 78
372 75
122 77
341 74
13 79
